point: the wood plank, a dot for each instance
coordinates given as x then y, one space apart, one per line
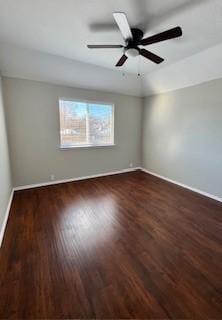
124 246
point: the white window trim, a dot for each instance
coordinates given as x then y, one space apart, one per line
85 146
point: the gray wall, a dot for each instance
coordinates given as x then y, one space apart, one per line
182 136
33 128
181 140
5 176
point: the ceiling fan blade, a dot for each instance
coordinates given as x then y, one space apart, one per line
121 61
151 56
106 46
123 25
166 35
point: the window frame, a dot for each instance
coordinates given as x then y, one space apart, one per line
86 146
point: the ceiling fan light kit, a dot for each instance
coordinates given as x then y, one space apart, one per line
132 52
133 39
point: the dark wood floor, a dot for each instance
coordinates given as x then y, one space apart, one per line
126 246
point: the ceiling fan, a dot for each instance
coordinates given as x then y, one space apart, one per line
134 38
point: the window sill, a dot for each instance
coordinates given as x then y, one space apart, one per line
87 146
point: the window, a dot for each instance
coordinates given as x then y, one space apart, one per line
86 124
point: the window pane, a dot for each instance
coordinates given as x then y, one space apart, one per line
100 124
83 123
73 123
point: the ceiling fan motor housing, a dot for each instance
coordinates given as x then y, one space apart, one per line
137 37
131 49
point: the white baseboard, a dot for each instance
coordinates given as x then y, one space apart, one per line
2 231
203 193
48 183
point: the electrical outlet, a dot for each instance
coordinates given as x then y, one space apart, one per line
131 165
52 177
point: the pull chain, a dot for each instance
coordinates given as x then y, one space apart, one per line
123 71
139 67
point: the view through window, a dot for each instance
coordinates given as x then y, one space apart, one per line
86 124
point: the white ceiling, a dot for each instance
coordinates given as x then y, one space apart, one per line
54 34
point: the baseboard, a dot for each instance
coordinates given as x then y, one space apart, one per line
49 183
203 193
2 232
